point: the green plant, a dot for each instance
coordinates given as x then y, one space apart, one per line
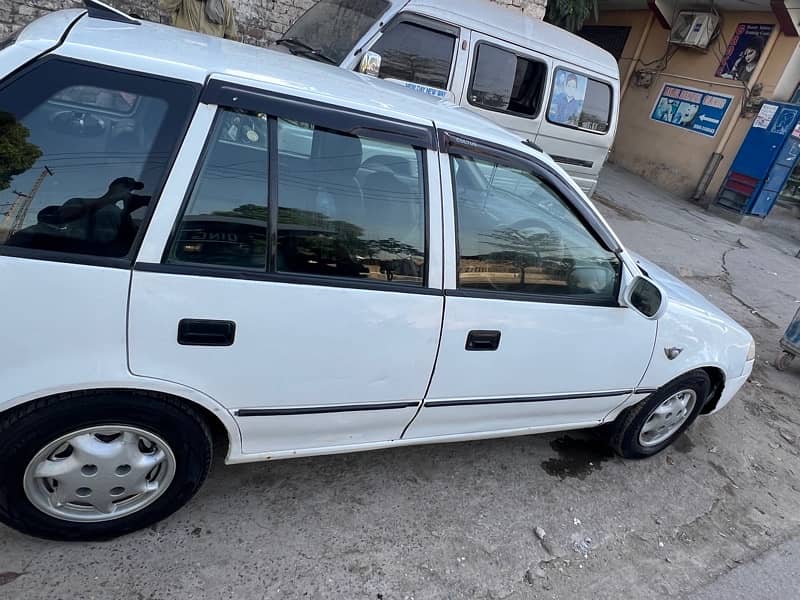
570 14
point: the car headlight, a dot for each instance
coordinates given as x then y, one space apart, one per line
751 352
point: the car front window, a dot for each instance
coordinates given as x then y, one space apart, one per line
516 234
331 28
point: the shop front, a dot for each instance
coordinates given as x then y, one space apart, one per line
692 84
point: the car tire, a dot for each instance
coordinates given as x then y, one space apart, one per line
647 428
51 446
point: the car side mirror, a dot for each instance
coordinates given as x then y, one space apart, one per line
370 64
645 297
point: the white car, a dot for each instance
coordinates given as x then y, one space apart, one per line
204 240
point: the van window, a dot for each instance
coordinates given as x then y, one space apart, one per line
580 102
224 223
354 207
84 151
515 234
504 81
411 52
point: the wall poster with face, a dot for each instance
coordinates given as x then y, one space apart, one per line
744 51
568 97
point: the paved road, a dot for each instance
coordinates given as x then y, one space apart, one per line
774 575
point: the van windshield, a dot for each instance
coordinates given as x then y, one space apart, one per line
330 28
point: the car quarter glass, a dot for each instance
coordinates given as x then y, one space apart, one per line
89 149
515 234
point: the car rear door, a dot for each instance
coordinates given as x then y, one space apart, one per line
293 271
534 337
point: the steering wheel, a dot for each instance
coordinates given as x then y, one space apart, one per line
533 222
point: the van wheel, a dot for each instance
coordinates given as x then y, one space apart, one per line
650 426
94 466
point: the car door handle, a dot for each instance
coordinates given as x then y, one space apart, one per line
206 332
483 340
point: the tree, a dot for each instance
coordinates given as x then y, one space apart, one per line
570 14
17 154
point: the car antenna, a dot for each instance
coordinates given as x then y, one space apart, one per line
100 10
532 144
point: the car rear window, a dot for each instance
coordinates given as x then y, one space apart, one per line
85 151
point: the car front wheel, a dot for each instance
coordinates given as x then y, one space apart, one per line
99 465
650 426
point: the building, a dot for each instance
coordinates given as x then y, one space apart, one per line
260 21
686 110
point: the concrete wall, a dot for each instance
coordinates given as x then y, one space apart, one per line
260 21
670 157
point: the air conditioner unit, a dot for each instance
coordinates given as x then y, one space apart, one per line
693 29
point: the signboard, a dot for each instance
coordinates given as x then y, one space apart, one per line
743 51
765 115
691 109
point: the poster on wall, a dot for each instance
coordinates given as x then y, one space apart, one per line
568 98
743 52
764 117
691 109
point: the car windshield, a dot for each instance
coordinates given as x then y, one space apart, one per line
331 28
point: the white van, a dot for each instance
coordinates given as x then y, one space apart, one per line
549 86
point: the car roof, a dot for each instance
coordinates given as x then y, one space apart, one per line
518 28
179 54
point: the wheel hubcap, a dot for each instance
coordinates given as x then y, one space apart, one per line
667 418
99 473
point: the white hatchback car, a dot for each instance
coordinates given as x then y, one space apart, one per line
200 237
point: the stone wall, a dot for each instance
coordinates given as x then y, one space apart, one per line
260 21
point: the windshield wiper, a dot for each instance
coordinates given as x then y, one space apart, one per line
298 47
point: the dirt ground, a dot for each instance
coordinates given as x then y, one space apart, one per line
551 516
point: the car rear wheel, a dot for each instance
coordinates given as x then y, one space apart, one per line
99 465
650 426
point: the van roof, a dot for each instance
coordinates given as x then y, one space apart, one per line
517 28
176 53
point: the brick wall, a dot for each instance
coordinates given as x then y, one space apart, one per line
260 21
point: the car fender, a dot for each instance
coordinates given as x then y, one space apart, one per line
147 384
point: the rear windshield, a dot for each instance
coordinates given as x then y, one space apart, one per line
332 27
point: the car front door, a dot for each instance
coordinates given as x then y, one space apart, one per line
534 337
294 283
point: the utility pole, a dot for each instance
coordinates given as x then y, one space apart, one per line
15 217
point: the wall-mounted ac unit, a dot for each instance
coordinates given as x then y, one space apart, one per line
693 29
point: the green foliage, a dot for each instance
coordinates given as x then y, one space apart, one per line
570 14
17 154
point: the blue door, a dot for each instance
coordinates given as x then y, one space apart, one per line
776 179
